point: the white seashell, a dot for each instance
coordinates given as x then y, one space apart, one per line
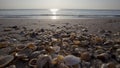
71 60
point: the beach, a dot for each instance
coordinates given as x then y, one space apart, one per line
93 25
92 43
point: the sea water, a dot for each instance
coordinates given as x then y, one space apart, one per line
58 13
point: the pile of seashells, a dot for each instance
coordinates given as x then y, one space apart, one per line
62 47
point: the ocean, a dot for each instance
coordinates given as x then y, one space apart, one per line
58 13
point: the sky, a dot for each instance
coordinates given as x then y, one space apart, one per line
60 4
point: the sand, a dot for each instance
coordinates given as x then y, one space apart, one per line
93 25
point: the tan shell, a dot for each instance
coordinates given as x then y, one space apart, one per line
111 65
32 46
85 56
3 44
76 42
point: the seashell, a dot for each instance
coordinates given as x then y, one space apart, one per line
103 57
97 39
99 51
24 54
85 42
108 65
21 56
76 42
108 42
60 58
43 60
118 51
103 66
71 60
62 65
4 60
54 61
4 44
5 51
85 64
7 29
32 46
111 65
72 35
85 56
35 54
118 66
20 47
33 62
50 49
56 48
54 39
11 66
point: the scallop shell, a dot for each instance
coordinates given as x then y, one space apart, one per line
71 60
4 60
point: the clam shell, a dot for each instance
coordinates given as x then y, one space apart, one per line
32 46
76 42
62 65
24 53
20 47
56 48
35 54
111 65
71 60
5 51
4 60
43 60
3 44
85 56
33 62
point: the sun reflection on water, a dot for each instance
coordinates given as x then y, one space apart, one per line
54 12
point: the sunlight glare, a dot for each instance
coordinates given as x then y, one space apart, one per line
54 17
54 11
